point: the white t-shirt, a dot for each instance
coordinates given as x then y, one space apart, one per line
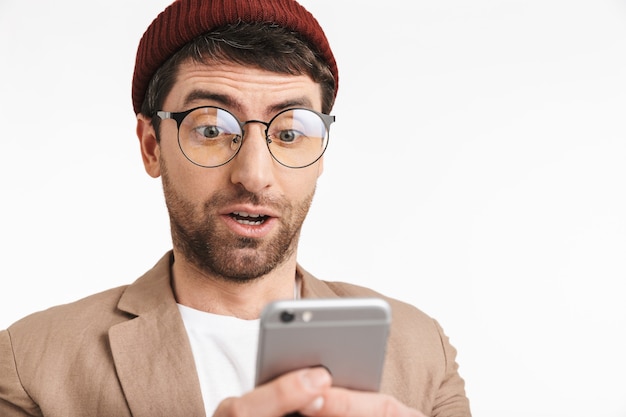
224 349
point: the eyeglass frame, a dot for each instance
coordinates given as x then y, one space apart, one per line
178 117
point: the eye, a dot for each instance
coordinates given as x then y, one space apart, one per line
210 132
289 136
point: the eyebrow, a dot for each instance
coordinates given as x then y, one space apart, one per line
197 95
290 103
227 101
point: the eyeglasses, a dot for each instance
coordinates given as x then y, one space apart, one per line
211 137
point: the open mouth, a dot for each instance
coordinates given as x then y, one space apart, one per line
249 219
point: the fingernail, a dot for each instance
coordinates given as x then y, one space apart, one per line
315 406
315 378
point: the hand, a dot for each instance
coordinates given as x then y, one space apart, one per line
340 402
286 394
309 392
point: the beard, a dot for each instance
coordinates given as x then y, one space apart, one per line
200 236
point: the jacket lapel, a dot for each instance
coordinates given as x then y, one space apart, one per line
151 351
313 287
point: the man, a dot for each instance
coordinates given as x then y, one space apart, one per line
232 100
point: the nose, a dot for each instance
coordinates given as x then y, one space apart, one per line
253 165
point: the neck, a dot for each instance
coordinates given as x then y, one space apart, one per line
198 290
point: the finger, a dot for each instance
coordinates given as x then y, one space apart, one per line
339 402
290 392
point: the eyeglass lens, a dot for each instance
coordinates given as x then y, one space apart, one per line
211 137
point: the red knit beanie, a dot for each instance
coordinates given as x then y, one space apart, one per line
184 20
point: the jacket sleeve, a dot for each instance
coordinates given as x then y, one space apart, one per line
14 400
451 398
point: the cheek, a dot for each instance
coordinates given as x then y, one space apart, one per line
301 182
196 183
187 179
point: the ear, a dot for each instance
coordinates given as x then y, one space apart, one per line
150 148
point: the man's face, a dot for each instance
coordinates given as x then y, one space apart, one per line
240 220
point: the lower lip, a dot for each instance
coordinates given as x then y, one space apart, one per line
249 230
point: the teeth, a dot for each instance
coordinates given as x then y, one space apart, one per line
251 223
248 218
244 214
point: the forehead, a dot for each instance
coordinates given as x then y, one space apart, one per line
240 87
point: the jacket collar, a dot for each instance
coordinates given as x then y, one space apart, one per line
151 351
313 287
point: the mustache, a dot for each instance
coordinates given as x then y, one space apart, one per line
241 195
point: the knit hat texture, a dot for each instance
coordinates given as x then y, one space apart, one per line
184 20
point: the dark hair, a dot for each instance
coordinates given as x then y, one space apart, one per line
262 45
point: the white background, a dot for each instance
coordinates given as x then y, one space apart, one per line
476 169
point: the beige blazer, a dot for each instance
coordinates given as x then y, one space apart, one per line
125 352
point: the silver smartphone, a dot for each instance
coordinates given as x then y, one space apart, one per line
348 336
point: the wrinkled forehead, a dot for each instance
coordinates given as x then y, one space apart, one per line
240 88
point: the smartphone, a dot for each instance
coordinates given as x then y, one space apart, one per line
347 336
